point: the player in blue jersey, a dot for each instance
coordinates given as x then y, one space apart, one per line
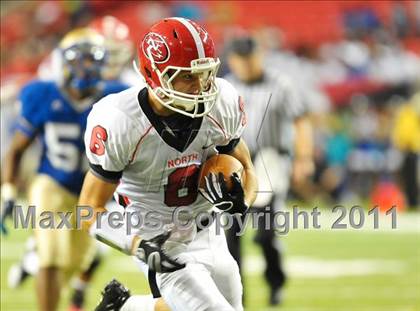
56 112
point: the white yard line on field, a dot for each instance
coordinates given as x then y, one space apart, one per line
307 267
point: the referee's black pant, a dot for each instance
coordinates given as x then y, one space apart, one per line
266 238
409 175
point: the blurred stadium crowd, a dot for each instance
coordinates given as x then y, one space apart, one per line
357 65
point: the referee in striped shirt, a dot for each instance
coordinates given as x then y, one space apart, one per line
276 121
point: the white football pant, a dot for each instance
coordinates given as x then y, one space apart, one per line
209 282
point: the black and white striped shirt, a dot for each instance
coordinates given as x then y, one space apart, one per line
271 104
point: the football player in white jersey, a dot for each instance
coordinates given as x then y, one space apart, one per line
147 144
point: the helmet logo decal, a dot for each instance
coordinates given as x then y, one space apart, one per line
153 44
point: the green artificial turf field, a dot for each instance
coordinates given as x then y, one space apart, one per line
341 270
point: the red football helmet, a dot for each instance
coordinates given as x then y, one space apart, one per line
117 43
174 45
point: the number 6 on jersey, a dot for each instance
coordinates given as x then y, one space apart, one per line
98 137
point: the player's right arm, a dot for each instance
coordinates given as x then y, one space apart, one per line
110 139
95 193
20 143
27 126
108 145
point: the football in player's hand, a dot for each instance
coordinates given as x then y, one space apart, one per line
221 163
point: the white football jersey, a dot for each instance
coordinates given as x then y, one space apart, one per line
159 172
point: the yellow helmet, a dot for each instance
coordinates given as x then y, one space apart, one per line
80 36
83 55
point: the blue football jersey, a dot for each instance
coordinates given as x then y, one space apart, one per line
48 113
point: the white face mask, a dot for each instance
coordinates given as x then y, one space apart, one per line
184 103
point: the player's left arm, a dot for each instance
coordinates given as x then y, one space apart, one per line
250 183
244 190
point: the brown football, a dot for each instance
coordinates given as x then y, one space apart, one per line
221 163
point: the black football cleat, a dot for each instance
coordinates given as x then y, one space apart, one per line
113 297
77 300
